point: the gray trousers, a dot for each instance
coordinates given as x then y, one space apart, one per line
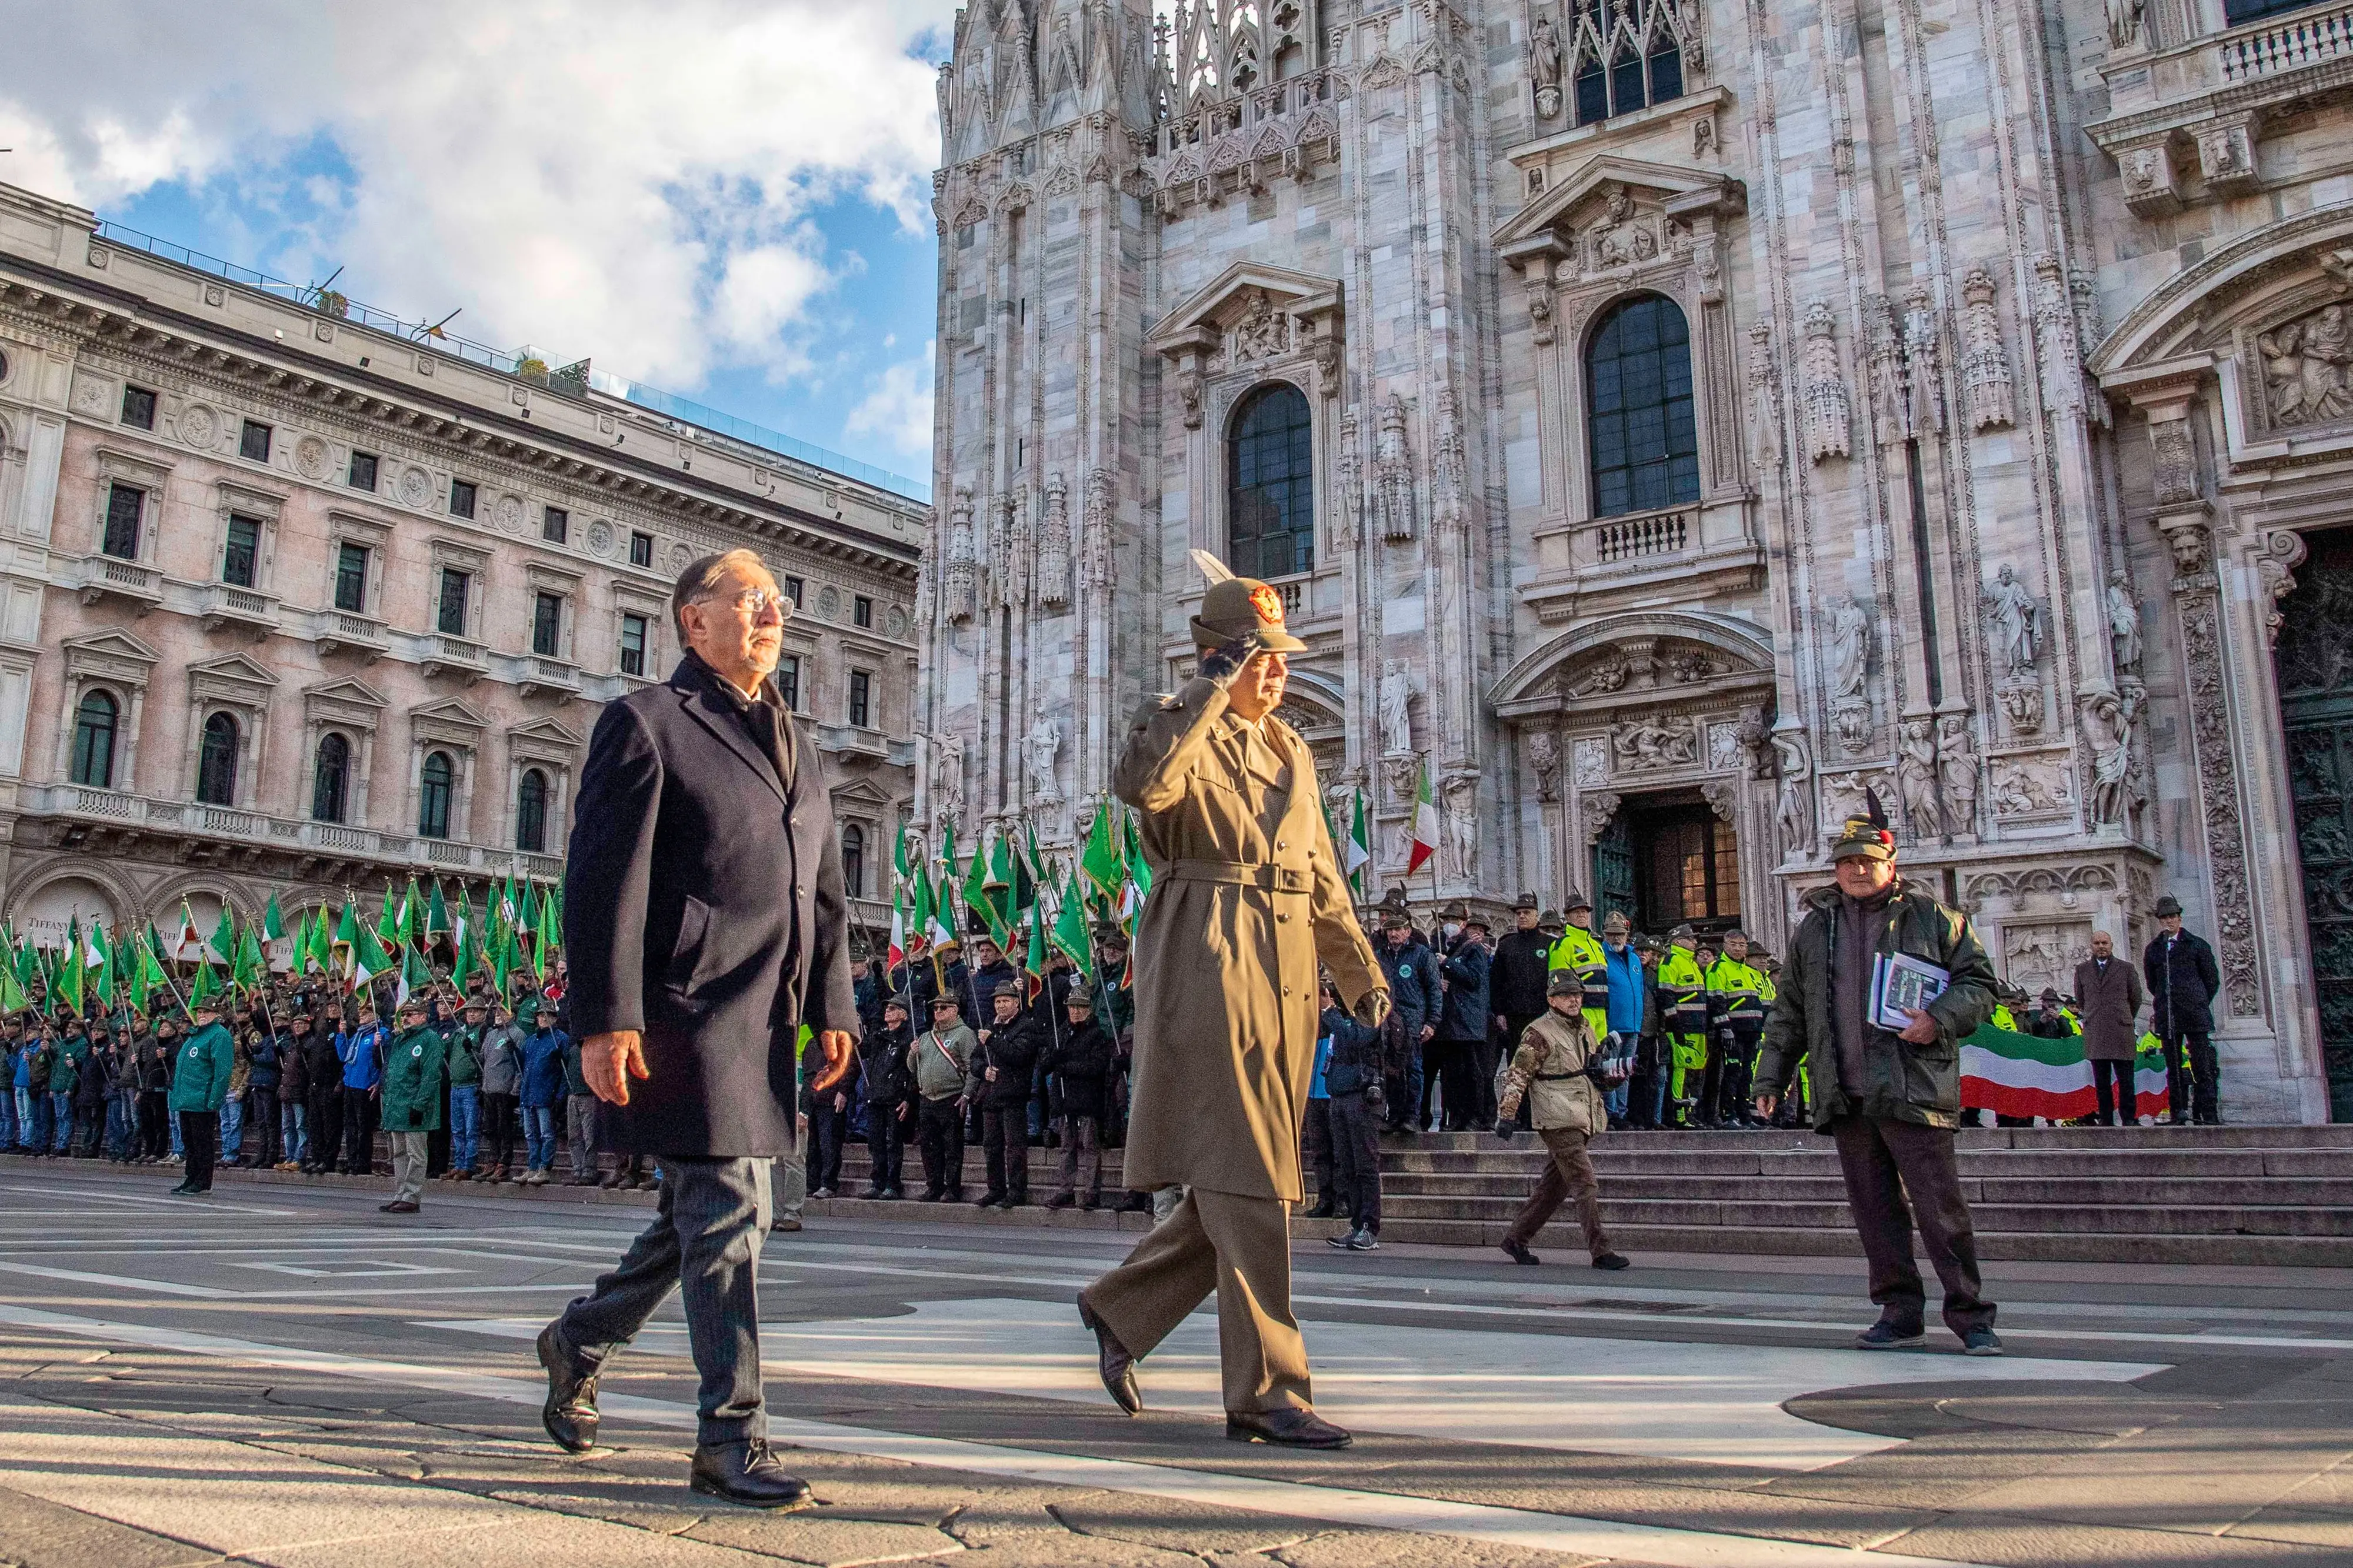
705 1239
580 1132
408 1151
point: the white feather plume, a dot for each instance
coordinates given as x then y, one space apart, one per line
1213 569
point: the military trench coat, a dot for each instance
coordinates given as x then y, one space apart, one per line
1246 897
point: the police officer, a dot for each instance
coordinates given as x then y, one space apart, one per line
1683 1011
1737 995
1580 952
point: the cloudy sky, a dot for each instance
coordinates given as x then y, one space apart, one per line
728 199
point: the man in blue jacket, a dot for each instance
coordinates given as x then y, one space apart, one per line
1466 1069
1412 976
361 1051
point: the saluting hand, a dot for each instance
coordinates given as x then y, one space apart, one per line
608 1061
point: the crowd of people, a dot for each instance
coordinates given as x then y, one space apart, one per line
961 1046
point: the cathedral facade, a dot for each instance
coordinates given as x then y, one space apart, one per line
1668 420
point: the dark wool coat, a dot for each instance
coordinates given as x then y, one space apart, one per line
703 906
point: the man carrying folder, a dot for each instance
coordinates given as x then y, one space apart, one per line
1881 985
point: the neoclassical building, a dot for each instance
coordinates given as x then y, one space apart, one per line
1670 419
293 600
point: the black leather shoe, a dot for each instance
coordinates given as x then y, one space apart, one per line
183 1191
748 1474
570 1413
1287 1428
1113 1361
1608 1260
1517 1251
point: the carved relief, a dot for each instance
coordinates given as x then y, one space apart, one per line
1592 760
1054 546
1830 411
1189 393
2218 796
2282 551
1544 757
2044 953
961 566
2026 787
1402 775
1984 362
1648 744
1764 403
1264 332
1599 811
1622 238
1957 773
2174 467
2307 377
1842 794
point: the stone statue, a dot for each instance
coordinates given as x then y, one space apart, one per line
960 592
947 775
1397 719
2124 20
1850 628
1621 239
2305 367
1044 744
1462 795
2016 619
1544 53
1956 772
2108 734
1393 472
2124 626
1544 755
1262 333
1915 780
1790 817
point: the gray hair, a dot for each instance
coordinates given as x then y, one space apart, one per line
702 579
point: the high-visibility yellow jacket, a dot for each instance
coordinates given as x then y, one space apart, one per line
1581 951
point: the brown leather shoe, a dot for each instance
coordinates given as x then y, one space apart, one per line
1288 1428
1113 1361
397 1205
570 1413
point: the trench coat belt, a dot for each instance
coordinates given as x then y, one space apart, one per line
1244 873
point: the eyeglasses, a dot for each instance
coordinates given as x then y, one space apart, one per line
754 601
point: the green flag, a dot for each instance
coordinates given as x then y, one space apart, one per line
1103 862
67 988
13 999
550 937
369 960
1033 964
1070 928
415 976
223 942
1359 852
388 918
1001 887
975 889
469 955
437 913
250 969
207 987
412 914
146 977
273 924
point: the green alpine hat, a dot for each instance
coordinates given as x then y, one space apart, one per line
1239 607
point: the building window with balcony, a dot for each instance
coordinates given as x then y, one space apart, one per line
455 587
351 578
1271 486
1624 57
788 681
216 762
253 442
361 476
641 549
124 505
531 813
547 624
1643 440
241 558
93 741
461 497
138 407
330 779
861 611
437 781
556 525
853 861
633 645
861 699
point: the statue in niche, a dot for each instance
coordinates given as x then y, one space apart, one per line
1544 59
1915 780
1397 699
2107 720
1044 744
2124 626
1957 773
1790 817
1461 795
947 774
1850 629
2016 620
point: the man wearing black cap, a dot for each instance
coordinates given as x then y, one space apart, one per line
1081 1061
2183 981
889 1086
1888 1087
1516 979
998 1082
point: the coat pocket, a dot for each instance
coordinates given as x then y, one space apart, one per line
686 950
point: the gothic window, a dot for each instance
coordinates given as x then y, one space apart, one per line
853 861
531 813
1270 492
330 779
216 762
93 741
1625 55
437 781
1643 440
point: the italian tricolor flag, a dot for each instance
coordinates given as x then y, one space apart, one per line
2023 1075
1425 824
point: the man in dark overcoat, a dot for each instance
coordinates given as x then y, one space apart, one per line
2183 981
704 923
2108 997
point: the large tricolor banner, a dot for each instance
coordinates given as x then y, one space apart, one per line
2025 1074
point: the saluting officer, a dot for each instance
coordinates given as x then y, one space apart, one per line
1247 897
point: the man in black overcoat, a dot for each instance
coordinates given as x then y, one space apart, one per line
2183 981
704 923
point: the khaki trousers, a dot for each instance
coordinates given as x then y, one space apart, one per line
1568 1179
1239 1248
408 1151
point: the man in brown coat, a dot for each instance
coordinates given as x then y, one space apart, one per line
1247 897
2108 996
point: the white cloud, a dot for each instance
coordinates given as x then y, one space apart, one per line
630 182
899 407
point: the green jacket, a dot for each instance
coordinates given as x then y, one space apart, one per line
466 1056
201 1069
1902 1083
65 1067
413 1069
